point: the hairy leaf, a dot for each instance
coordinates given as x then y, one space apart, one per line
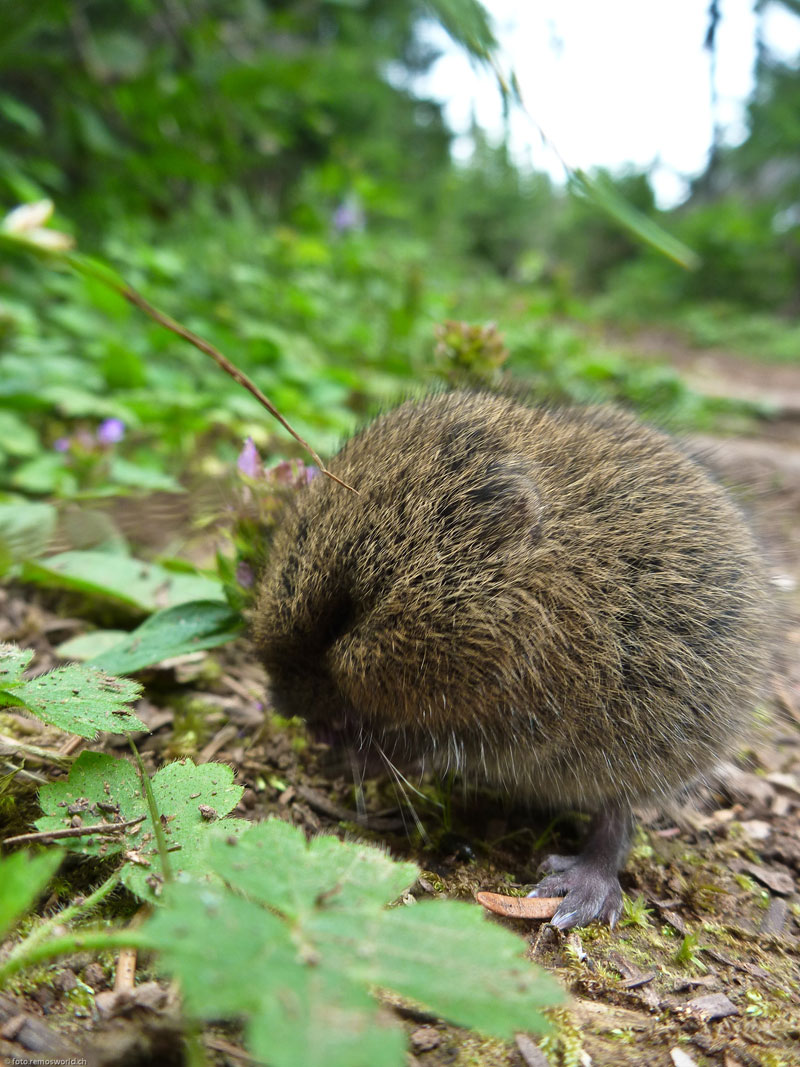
353 875
103 789
81 700
22 879
300 938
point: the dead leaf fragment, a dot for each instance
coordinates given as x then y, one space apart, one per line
532 1055
778 881
519 907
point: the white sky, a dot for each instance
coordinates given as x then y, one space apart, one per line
614 81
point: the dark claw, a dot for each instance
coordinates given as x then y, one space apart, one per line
590 893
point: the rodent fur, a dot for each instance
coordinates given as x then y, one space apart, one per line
559 602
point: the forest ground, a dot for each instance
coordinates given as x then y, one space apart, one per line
705 966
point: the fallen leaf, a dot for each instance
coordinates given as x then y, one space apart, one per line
519 907
778 881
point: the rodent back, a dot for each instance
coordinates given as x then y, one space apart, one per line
558 600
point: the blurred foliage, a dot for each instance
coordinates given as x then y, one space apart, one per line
267 174
148 105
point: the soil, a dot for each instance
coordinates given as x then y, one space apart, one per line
704 967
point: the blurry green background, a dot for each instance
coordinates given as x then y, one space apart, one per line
261 171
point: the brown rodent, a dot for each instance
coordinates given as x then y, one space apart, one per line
559 602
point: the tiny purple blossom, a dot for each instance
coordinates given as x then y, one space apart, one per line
348 216
249 461
110 431
61 444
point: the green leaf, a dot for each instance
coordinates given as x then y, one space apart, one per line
13 663
317 1016
134 476
46 473
188 627
144 586
604 195
360 874
246 962
300 938
468 23
22 879
224 965
87 646
78 699
448 955
180 789
25 530
25 117
16 436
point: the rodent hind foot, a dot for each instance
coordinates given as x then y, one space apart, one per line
591 893
554 864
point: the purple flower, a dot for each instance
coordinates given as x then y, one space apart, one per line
348 216
110 431
249 461
61 444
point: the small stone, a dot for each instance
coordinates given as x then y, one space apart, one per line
95 976
756 829
425 1039
712 1006
790 782
776 917
65 980
681 1058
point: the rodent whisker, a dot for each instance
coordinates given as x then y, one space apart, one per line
359 773
401 782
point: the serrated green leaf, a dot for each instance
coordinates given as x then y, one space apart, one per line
143 586
352 875
220 967
13 662
81 700
302 977
235 958
22 879
176 631
469 969
318 1016
180 789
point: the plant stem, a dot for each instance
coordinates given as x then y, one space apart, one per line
155 818
91 269
61 918
67 944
